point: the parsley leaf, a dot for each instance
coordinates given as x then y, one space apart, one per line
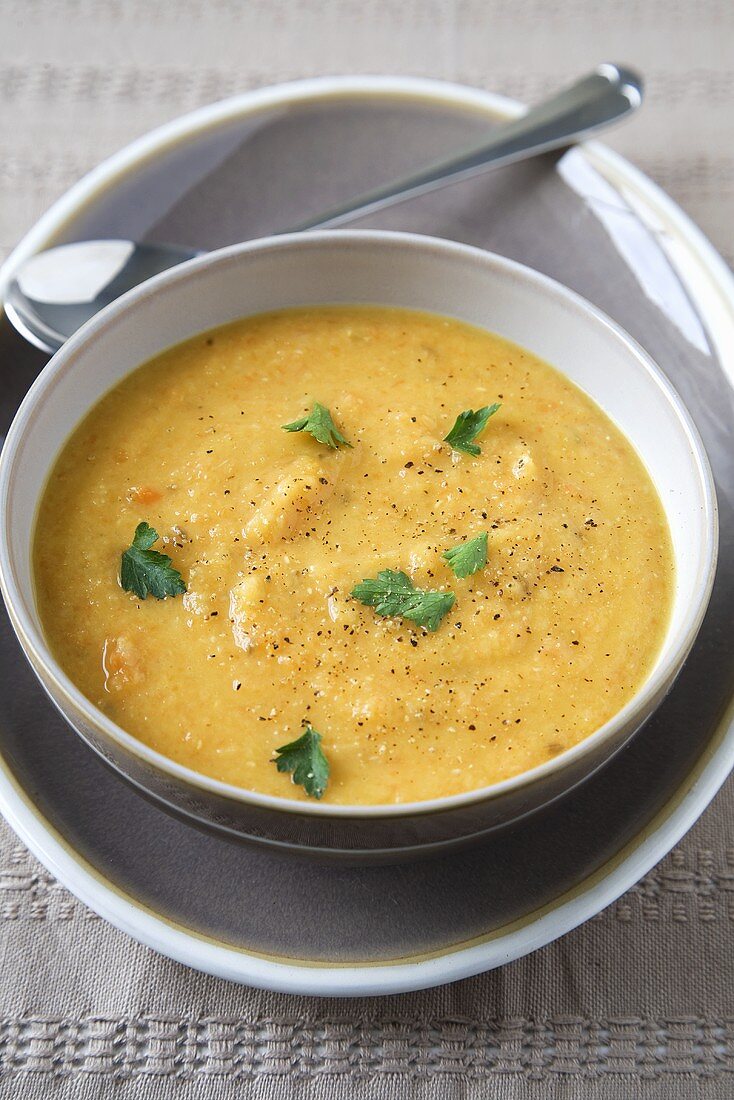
305 758
321 426
468 557
467 427
144 570
394 594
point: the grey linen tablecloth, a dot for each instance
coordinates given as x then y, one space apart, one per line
639 1001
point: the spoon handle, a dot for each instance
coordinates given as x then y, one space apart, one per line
595 101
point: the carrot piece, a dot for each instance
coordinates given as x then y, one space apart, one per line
144 495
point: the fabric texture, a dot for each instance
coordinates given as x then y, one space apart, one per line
638 1002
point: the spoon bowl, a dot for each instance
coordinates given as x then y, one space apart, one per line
59 290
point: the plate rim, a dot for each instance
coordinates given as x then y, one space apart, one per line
533 930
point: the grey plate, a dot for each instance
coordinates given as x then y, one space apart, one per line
248 176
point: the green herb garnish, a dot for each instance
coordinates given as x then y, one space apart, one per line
305 758
394 594
467 427
468 557
144 570
321 426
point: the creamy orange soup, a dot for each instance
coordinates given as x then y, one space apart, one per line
272 530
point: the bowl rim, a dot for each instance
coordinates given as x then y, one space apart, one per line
40 656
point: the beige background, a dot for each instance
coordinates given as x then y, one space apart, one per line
639 1002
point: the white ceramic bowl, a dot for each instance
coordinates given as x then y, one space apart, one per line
391 269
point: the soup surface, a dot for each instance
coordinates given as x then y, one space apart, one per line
271 530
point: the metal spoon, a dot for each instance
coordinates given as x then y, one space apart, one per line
56 291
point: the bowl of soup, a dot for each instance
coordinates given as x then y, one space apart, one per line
356 544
